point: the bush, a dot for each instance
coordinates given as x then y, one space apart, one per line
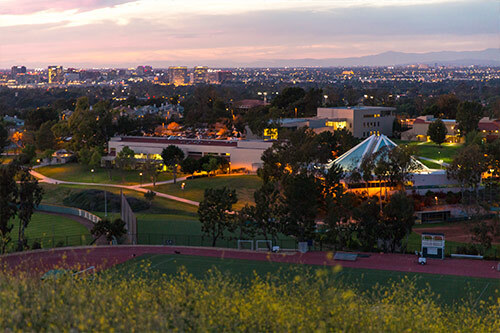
93 200
36 245
220 303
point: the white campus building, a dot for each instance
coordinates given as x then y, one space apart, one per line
240 153
422 180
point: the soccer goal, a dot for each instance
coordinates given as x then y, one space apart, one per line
263 245
244 244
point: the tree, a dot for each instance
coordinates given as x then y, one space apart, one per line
300 201
172 156
34 118
27 155
125 158
149 195
4 137
264 218
95 158
467 167
211 165
110 230
8 202
447 105
84 156
336 206
367 216
483 233
437 131
30 196
190 165
152 168
45 139
468 116
397 221
215 212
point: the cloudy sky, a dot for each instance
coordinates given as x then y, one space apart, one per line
100 33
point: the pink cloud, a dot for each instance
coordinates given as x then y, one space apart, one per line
19 7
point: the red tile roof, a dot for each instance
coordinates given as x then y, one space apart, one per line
167 141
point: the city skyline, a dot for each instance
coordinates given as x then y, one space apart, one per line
121 33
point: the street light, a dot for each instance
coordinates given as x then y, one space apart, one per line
326 98
436 200
140 174
92 171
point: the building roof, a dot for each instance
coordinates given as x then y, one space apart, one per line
352 159
178 141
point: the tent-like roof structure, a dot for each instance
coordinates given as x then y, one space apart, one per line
352 159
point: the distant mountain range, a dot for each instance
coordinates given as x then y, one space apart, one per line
488 57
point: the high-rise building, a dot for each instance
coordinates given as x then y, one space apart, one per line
200 75
225 76
17 70
177 75
56 74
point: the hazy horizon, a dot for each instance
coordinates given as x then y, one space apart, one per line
223 33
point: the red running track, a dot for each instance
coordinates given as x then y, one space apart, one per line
102 257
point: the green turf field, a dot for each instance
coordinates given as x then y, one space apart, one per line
245 186
449 288
50 229
73 172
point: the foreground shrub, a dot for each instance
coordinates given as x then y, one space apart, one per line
220 303
93 200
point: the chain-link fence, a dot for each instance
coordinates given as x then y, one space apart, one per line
231 243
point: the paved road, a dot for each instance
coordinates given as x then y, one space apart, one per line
138 188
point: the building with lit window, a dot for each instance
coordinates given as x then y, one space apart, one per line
488 128
199 75
56 74
361 121
177 75
242 154
15 70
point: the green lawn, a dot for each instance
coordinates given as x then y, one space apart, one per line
194 189
431 165
73 172
449 288
50 229
430 150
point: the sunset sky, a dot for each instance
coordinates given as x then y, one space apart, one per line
100 33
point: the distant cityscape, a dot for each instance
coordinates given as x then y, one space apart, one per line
20 76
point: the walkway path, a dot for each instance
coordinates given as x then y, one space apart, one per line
433 161
138 188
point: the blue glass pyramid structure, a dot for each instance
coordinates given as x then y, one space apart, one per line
352 159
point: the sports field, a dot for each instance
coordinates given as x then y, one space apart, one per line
449 289
50 229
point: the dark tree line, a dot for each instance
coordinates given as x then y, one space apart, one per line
17 198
